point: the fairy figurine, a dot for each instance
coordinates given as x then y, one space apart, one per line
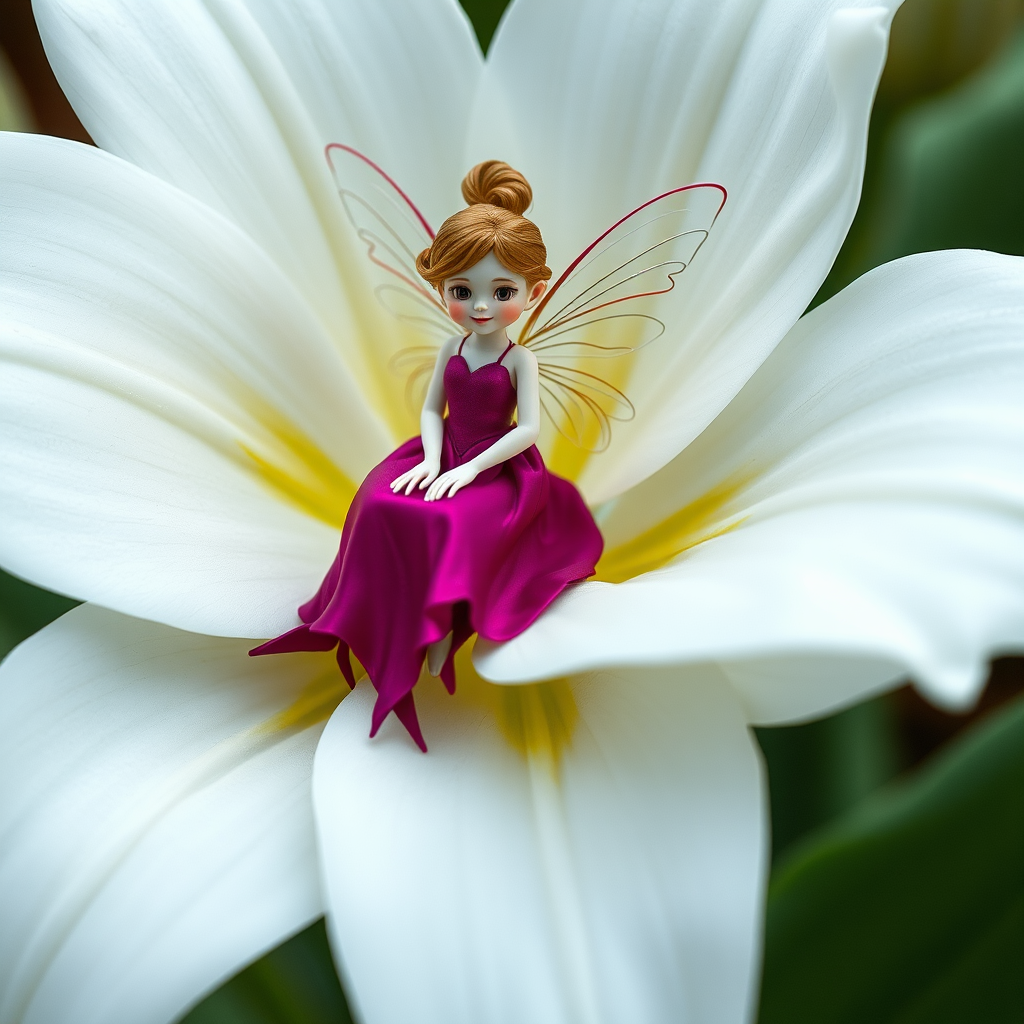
463 529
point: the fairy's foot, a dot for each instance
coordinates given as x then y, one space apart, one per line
437 654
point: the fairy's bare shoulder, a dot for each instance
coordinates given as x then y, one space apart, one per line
449 348
522 364
523 359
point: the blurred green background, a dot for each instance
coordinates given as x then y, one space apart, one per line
897 888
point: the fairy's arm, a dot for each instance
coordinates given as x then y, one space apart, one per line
432 416
431 427
518 439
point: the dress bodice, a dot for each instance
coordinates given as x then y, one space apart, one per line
480 401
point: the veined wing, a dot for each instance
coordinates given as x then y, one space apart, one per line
394 232
581 405
604 305
415 365
618 278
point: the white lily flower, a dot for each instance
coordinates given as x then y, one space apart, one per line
193 381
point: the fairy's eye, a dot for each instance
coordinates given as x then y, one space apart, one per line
460 292
504 293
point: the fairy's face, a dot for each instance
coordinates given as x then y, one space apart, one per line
488 298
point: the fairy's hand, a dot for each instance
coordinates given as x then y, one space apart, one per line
417 477
451 482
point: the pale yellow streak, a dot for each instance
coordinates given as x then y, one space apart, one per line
537 720
380 337
294 468
315 703
561 455
248 430
693 524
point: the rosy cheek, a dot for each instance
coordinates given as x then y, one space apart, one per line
511 311
457 311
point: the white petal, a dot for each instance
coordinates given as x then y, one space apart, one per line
867 492
770 98
234 103
395 80
155 827
492 881
180 436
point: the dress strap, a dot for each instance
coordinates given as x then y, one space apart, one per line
506 352
461 343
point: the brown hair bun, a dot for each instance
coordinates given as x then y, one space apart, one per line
493 222
495 183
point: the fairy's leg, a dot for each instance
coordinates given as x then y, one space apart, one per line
437 655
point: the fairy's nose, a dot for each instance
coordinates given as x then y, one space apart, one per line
481 303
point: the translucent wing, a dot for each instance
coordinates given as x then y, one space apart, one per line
394 232
581 405
637 259
604 305
415 365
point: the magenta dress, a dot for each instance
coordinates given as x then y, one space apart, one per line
487 561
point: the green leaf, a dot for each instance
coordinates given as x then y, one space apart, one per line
947 173
15 114
24 609
294 984
485 15
910 910
820 770
956 168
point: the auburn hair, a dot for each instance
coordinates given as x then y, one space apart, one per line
498 196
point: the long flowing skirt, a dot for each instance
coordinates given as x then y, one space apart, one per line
488 560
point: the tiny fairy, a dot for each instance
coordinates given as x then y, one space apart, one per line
461 530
